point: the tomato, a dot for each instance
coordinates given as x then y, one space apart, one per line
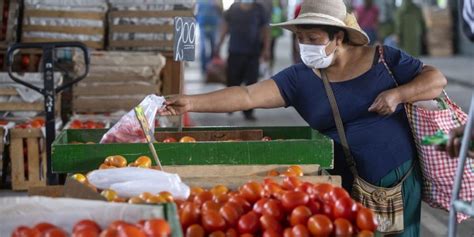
217 234
239 200
273 173
246 235
195 230
85 224
327 209
258 206
271 233
272 189
23 231
365 220
270 223
231 233
300 215
345 208
287 232
196 190
365 233
189 214
314 206
130 231
291 182
304 187
248 223
42 227
187 139
319 190
274 208
170 140
296 170
266 138
54 232
219 190
212 221
210 205
343 228
141 223
320 225
292 199
87 232
143 162
109 233
221 198
25 61
157 227
202 197
251 191
230 214
136 200
335 194
118 224
117 161
156 199
299 231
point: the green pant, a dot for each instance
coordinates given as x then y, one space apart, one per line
411 191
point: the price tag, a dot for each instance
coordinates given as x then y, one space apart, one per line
184 38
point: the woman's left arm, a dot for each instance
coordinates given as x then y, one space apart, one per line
425 86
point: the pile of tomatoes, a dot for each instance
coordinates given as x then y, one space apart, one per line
292 208
88 228
89 124
34 123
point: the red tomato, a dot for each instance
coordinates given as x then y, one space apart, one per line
258 206
305 187
195 230
366 220
320 225
246 206
25 60
86 224
299 231
23 231
365 233
291 182
202 197
42 227
230 214
212 221
130 231
248 223
272 190
292 199
231 233
251 191
157 227
141 224
328 210
86 232
217 234
210 205
287 232
274 208
109 233
236 206
314 206
54 232
319 190
270 223
296 170
117 224
343 228
335 194
189 214
300 215
345 208
246 235
271 233
170 140
221 198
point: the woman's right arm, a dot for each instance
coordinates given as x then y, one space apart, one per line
264 94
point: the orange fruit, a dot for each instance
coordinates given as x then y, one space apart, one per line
117 161
109 194
187 139
79 178
143 162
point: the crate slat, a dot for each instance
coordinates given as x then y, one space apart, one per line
66 29
17 164
90 44
85 105
150 14
64 14
142 28
141 43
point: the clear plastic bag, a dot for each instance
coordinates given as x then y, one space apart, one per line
128 129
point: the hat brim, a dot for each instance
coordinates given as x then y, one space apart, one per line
356 36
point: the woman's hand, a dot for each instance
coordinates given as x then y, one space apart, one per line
454 143
176 106
386 102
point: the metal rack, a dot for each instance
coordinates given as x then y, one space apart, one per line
460 206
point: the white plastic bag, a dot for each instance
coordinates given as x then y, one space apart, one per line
132 181
128 129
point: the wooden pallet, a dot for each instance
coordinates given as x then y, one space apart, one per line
165 44
28 158
100 16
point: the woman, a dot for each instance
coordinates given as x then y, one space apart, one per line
369 101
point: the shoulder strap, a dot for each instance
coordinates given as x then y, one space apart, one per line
382 60
339 124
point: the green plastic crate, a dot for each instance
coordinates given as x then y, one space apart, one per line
301 145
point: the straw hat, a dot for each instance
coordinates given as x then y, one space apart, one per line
328 13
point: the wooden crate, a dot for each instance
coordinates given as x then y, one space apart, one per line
166 29
75 15
28 158
172 76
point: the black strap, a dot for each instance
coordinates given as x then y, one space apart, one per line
339 124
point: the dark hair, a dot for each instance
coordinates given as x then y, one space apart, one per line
330 30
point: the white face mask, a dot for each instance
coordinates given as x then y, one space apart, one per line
314 56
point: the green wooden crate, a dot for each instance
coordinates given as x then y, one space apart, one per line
301 145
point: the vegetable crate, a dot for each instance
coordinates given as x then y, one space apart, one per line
28 158
298 145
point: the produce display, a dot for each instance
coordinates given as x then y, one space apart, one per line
192 139
89 228
77 124
34 123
